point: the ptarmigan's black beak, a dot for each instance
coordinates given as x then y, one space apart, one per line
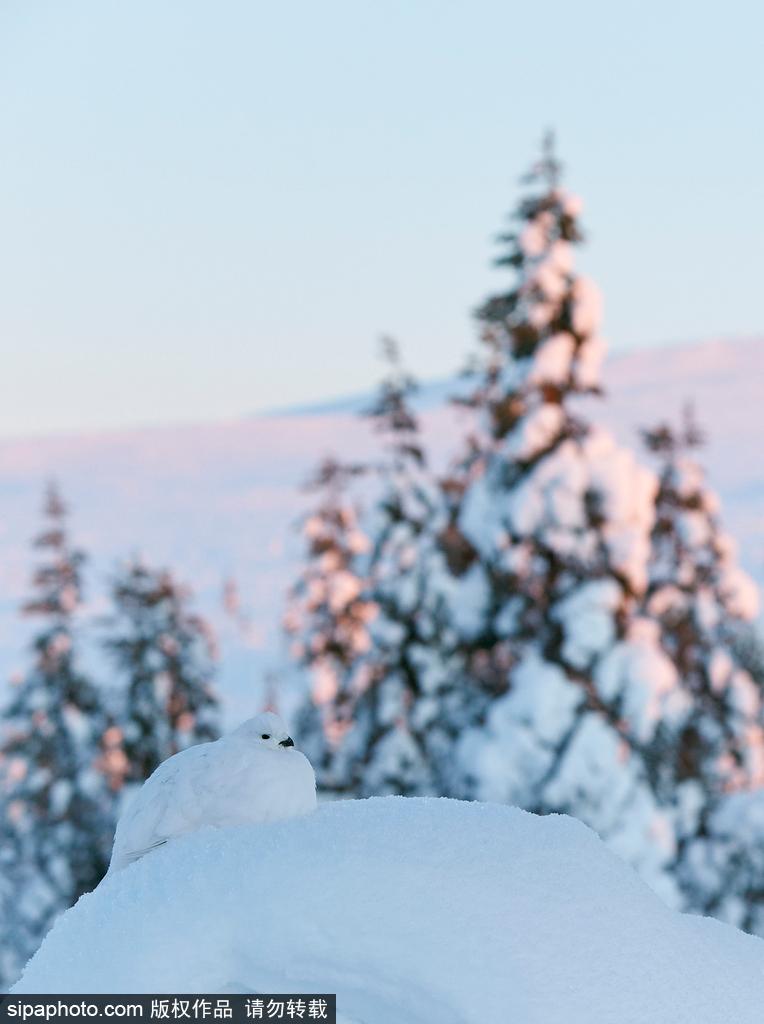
288 742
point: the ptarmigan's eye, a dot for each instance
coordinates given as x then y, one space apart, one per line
265 736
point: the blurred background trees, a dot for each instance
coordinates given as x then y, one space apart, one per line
163 655
70 746
550 622
58 812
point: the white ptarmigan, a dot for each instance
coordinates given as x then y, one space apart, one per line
252 775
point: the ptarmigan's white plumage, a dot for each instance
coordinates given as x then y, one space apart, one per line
252 775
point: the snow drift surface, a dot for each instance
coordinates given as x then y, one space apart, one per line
413 911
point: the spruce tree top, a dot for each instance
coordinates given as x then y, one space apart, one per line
565 485
392 412
57 581
541 335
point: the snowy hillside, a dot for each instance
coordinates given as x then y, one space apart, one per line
411 910
219 500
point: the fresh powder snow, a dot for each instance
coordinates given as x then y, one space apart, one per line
412 910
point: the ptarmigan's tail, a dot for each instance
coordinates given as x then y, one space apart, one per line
120 860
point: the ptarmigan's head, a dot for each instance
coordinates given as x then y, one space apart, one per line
267 730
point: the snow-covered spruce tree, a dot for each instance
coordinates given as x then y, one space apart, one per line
58 819
710 763
328 615
400 716
703 601
567 683
164 653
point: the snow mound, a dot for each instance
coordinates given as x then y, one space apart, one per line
411 910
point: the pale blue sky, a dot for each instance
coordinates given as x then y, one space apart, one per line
213 206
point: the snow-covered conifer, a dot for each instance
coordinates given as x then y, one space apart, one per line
708 765
701 598
403 712
58 811
329 614
567 682
165 655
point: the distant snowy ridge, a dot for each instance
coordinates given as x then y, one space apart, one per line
411 910
692 371
429 395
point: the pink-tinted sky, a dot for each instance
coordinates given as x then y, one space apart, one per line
209 208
